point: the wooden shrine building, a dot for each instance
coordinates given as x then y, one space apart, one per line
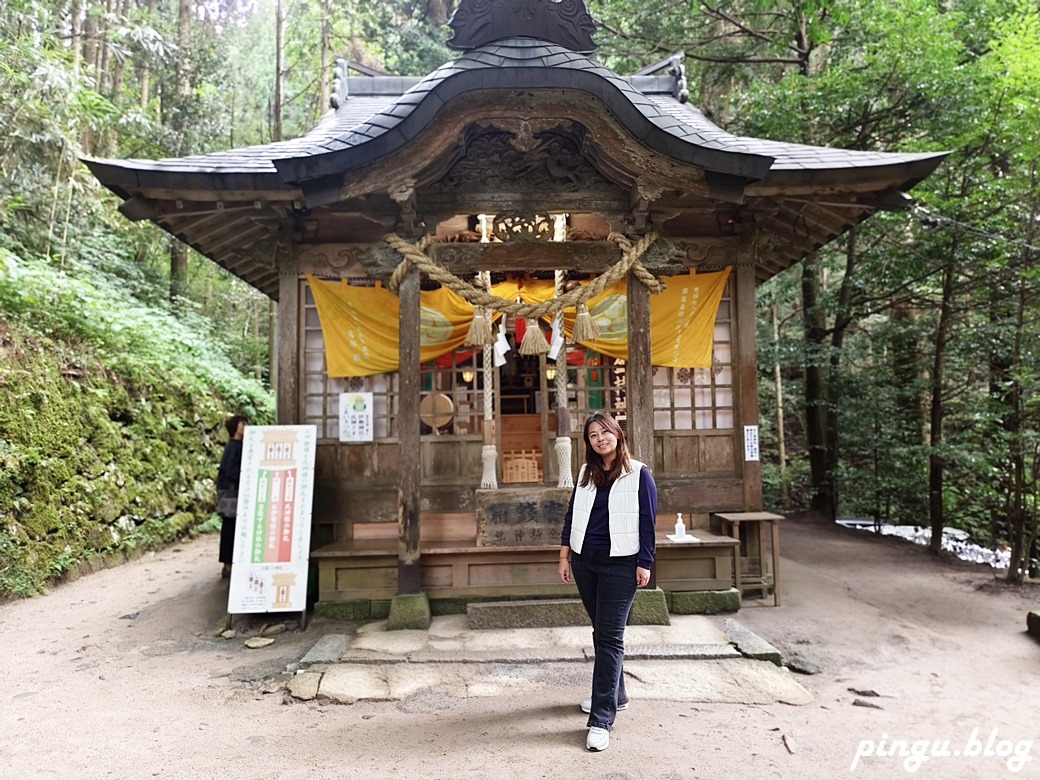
526 172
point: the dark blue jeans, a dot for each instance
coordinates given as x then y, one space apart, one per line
607 587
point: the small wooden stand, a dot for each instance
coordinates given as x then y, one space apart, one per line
767 578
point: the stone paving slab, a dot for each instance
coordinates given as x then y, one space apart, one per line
329 649
675 652
522 655
452 634
305 686
349 683
695 659
734 681
749 643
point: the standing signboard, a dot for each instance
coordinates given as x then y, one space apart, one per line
273 523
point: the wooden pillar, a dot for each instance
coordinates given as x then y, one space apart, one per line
746 369
639 381
287 394
409 580
639 374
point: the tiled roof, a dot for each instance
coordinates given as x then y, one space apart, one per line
786 156
520 63
377 119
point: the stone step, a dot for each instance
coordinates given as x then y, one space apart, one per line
650 609
533 613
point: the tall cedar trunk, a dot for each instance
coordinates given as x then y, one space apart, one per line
119 65
103 47
279 71
1017 514
936 462
909 424
816 389
1023 524
76 33
91 32
325 77
819 430
1000 369
90 29
178 250
180 120
118 80
781 445
842 316
146 69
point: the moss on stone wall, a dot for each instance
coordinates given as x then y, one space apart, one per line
94 465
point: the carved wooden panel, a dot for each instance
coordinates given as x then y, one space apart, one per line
494 161
331 260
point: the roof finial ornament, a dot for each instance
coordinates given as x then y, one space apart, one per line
563 22
340 92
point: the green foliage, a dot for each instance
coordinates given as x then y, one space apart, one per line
111 420
913 76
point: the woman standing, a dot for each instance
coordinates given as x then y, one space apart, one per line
227 486
607 549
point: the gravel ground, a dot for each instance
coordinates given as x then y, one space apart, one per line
121 674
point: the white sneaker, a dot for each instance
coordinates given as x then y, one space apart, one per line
586 705
598 739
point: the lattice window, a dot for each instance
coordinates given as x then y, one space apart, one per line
595 382
702 398
321 392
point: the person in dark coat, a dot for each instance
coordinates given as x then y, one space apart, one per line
227 479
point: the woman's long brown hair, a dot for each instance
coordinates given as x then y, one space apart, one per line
594 469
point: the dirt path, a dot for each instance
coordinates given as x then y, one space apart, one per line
119 675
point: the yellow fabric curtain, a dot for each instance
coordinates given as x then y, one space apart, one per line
361 325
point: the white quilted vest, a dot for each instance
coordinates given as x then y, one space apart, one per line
623 506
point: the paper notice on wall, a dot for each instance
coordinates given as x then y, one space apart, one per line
273 525
750 442
355 417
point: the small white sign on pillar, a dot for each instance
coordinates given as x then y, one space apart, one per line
750 442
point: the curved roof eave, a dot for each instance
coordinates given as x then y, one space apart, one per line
521 64
127 177
851 171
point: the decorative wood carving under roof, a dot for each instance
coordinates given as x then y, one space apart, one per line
564 22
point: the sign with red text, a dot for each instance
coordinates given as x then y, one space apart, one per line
273 523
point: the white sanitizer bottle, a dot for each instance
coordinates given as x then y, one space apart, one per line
680 527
